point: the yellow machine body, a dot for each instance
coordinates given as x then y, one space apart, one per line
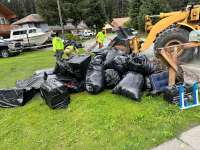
188 19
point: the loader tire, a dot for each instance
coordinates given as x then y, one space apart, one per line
174 36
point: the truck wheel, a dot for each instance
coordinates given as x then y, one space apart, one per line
174 36
4 53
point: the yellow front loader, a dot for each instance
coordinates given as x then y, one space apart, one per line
169 29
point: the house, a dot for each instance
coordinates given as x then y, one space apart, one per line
5 16
69 27
33 20
119 22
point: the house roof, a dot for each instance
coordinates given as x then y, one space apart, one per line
33 18
6 12
82 25
69 26
119 22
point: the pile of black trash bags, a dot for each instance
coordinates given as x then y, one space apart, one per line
126 74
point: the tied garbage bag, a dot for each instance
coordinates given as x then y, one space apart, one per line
103 51
15 97
94 82
112 78
119 63
159 81
130 86
75 66
55 94
97 60
171 94
110 56
142 65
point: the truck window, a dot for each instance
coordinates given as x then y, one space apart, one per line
32 31
20 32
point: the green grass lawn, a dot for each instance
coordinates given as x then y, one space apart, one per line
103 121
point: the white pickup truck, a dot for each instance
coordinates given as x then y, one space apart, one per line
87 33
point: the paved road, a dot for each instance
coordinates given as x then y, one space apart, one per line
189 140
89 43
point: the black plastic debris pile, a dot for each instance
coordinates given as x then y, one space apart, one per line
54 85
127 75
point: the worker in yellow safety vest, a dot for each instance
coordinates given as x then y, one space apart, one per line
100 38
58 46
70 50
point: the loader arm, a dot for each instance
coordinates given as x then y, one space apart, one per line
162 25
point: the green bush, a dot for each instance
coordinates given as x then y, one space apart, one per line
70 36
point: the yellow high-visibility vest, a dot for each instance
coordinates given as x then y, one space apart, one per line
100 37
58 44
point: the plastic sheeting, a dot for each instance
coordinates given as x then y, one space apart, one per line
41 72
55 94
130 86
33 83
15 97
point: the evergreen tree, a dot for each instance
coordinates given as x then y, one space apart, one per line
95 16
134 9
48 10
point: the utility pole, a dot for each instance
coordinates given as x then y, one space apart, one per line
61 20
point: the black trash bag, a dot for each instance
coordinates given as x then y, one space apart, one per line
171 94
15 97
75 66
142 65
112 78
159 82
94 82
55 94
140 59
130 86
110 56
119 63
103 52
41 72
33 83
97 60
62 67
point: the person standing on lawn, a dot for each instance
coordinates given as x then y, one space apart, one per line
100 38
58 46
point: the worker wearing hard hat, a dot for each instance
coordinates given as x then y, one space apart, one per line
58 46
100 38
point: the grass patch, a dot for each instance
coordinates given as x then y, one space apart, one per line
103 121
